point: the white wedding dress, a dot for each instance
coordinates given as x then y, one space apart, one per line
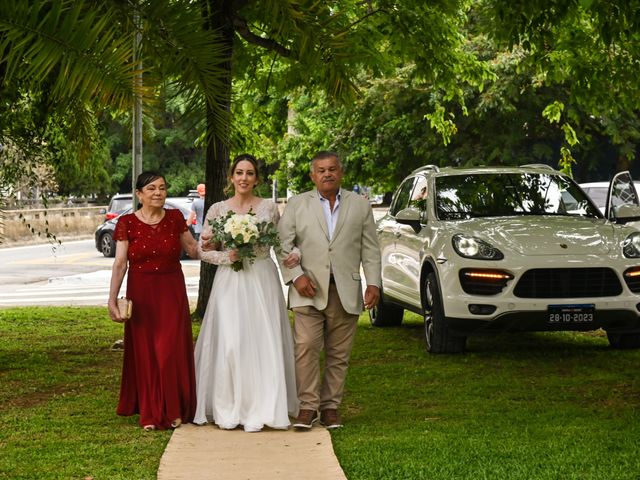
244 353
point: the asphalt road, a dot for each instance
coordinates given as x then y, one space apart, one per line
36 263
73 273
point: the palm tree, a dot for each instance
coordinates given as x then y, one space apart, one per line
79 55
309 41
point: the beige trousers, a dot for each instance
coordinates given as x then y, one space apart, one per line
331 328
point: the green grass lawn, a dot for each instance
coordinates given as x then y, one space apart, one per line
529 406
526 406
59 383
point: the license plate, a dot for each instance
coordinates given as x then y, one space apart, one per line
578 313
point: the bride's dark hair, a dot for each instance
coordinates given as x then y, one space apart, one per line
228 190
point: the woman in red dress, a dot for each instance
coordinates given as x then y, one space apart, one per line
158 380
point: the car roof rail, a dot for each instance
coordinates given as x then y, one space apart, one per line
424 168
539 165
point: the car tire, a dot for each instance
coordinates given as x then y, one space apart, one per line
624 340
438 337
386 314
107 245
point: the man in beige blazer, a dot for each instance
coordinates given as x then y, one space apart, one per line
335 233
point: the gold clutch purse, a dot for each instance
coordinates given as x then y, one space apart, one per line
124 307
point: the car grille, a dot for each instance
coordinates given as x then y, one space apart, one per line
568 283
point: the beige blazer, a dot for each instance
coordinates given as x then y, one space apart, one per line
354 242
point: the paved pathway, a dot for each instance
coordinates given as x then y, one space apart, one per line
206 452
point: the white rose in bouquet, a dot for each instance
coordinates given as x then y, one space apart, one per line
243 233
242 225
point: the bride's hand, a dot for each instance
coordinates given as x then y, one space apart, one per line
291 260
234 256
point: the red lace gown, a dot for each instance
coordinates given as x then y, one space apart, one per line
158 379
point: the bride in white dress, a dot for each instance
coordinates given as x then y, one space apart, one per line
244 353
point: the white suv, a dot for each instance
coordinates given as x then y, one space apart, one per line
506 249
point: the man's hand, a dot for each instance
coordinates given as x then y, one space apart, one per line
305 286
371 296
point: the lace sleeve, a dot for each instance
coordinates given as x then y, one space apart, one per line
213 256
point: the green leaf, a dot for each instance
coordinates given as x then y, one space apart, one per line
553 112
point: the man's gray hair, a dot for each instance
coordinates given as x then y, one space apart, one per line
324 155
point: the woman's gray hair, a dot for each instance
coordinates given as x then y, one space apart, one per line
324 155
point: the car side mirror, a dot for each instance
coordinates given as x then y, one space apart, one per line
626 213
410 216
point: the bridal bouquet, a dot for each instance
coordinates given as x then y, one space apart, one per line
243 233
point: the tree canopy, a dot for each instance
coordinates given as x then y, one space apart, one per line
389 84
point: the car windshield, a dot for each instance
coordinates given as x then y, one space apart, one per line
509 194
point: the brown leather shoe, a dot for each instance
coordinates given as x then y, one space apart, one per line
330 418
306 419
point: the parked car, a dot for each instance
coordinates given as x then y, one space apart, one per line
506 249
104 233
118 204
376 199
610 196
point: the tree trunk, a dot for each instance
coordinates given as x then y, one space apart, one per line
622 164
218 18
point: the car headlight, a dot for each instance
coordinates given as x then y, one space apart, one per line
472 247
631 246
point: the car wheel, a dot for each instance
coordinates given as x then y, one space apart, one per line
386 314
624 340
437 335
107 245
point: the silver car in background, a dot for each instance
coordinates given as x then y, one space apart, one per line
611 197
